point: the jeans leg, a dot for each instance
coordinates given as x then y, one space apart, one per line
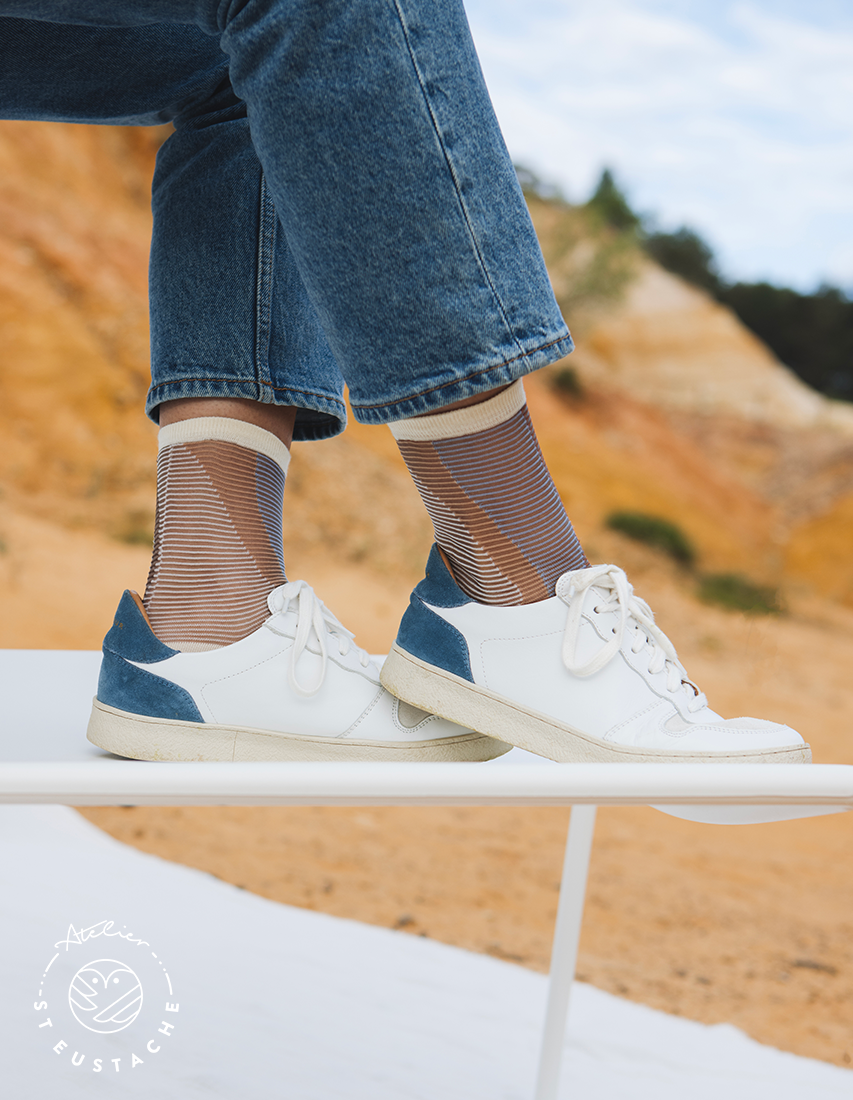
397 196
229 314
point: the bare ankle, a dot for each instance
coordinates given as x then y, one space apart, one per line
277 419
474 399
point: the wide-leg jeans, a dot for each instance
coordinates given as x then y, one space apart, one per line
335 206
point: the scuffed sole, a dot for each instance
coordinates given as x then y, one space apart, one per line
141 738
440 692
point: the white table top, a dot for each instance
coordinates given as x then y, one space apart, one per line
45 698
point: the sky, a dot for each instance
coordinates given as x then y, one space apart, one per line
734 118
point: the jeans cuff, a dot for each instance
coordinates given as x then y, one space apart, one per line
318 416
435 397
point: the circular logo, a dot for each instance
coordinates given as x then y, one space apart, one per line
105 996
93 1017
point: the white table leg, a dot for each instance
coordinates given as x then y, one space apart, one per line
564 953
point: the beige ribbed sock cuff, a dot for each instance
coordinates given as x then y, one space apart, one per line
467 421
226 430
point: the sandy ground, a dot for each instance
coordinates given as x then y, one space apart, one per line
712 923
750 925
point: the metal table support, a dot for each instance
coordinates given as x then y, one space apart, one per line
564 953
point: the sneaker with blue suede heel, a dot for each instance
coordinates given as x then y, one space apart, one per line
297 688
586 676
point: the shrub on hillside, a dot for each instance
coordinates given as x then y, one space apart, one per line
136 529
567 383
534 185
654 531
590 263
684 253
732 591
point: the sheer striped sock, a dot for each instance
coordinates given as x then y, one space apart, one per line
496 512
217 536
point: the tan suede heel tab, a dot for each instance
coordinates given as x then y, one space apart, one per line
446 561
137 599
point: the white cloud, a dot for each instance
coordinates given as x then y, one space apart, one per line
735 118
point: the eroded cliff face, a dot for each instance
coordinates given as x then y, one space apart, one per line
672 346
684 414
784 451
675 350
74 234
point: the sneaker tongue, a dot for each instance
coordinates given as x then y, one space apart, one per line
585 580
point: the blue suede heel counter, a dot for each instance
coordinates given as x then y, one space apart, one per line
426 635
126 687
130 635
438 587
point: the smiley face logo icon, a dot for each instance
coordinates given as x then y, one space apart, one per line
105 996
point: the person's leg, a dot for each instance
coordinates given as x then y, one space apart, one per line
234 336
495 509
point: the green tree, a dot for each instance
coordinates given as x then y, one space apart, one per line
686 254
611 206
811 333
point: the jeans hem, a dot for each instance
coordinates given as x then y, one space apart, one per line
318 416
466 385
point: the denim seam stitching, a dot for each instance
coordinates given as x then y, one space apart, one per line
263 305
462 206
456 381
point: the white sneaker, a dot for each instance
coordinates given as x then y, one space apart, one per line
295 689
586 676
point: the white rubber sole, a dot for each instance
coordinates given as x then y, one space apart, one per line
440 692
142 738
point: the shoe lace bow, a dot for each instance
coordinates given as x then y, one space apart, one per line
316 629
614 593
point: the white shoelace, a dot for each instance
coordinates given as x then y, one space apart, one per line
314 624
635 616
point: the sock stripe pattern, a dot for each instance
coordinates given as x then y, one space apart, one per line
496 511
218 549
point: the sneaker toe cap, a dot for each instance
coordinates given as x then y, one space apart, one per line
726 735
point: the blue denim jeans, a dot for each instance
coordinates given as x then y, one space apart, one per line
335 206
